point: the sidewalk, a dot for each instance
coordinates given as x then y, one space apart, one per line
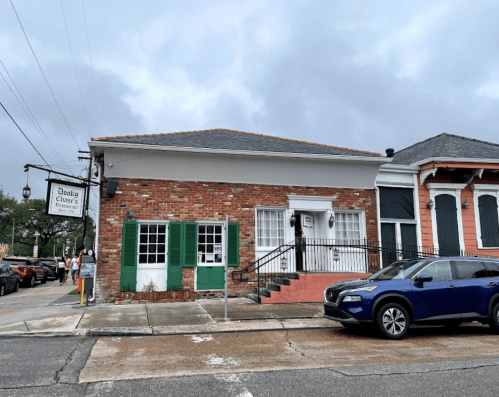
202 316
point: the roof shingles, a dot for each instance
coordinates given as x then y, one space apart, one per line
236 140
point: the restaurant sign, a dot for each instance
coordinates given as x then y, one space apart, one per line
65 198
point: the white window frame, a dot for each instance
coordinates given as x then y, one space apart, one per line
224 248
284 217
362 224
452 189
157 223
482 190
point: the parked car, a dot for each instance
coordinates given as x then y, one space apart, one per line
9 280
29 269
445 290
50 265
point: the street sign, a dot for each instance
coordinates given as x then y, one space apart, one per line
87 267
35 251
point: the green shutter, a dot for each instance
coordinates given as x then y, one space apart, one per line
129 256
190 244
217 277
175 257
203 281
233 249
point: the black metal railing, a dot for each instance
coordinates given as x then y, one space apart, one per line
332 256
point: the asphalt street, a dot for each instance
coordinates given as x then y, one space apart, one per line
52 367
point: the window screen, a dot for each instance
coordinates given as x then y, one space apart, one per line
471 269
396 203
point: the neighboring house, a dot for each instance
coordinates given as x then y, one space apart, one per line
440 197
165 198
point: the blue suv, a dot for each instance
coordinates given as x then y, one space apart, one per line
440 290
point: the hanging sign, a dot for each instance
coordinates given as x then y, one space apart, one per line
65 198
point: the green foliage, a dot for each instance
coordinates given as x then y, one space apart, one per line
30 218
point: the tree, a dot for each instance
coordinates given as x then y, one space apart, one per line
53 230
7 205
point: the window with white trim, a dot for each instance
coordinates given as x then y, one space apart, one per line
488 219
348 227
210 243
270 228
152 243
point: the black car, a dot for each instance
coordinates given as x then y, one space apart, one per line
9 280
51 266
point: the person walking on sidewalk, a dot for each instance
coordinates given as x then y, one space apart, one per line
75 269
67 267
61 269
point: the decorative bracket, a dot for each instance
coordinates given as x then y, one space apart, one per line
426 173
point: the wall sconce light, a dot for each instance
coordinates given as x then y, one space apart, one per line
430 204
331 220
130 214
292 220
466 204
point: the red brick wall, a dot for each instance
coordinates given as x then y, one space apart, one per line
468 215
190 201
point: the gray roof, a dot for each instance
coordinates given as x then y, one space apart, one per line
236 140
447 146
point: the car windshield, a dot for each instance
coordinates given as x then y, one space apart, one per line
397 270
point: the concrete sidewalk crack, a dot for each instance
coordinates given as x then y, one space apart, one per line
147 315
290 344
68 360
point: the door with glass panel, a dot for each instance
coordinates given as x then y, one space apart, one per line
348 254
269 237
211 256
152 257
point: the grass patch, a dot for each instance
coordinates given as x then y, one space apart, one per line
74 292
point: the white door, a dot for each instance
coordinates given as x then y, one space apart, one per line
308 227
152 257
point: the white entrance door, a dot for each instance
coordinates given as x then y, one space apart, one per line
152 257
308 228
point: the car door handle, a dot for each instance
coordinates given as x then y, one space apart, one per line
492 284
452 286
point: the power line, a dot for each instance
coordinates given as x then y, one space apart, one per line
30 115
74 67
43 74
14 121
91 67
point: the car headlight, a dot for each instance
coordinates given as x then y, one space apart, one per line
352 298
368 289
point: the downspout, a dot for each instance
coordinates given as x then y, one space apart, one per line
99 169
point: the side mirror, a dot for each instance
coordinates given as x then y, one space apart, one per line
424 278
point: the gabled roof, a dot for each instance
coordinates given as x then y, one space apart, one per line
447 146
235 140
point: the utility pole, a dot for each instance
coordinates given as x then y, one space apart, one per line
87 199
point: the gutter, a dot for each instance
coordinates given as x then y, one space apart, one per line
115 145
455 160
92 299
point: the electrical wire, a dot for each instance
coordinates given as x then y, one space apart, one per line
76 72
43 74
91 67
30 115
33 146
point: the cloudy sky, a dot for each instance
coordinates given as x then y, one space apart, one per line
359 74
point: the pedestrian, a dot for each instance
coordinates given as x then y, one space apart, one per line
67 268
75 268
61 269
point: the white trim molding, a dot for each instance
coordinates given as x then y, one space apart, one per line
453 189
426 173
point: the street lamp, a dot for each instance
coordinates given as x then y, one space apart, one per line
26 189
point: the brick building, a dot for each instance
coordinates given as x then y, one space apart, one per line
165 199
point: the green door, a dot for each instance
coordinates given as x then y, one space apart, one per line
210 277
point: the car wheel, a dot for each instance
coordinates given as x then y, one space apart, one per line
494 319
32 282
393 321
16 288
44 279
2 290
